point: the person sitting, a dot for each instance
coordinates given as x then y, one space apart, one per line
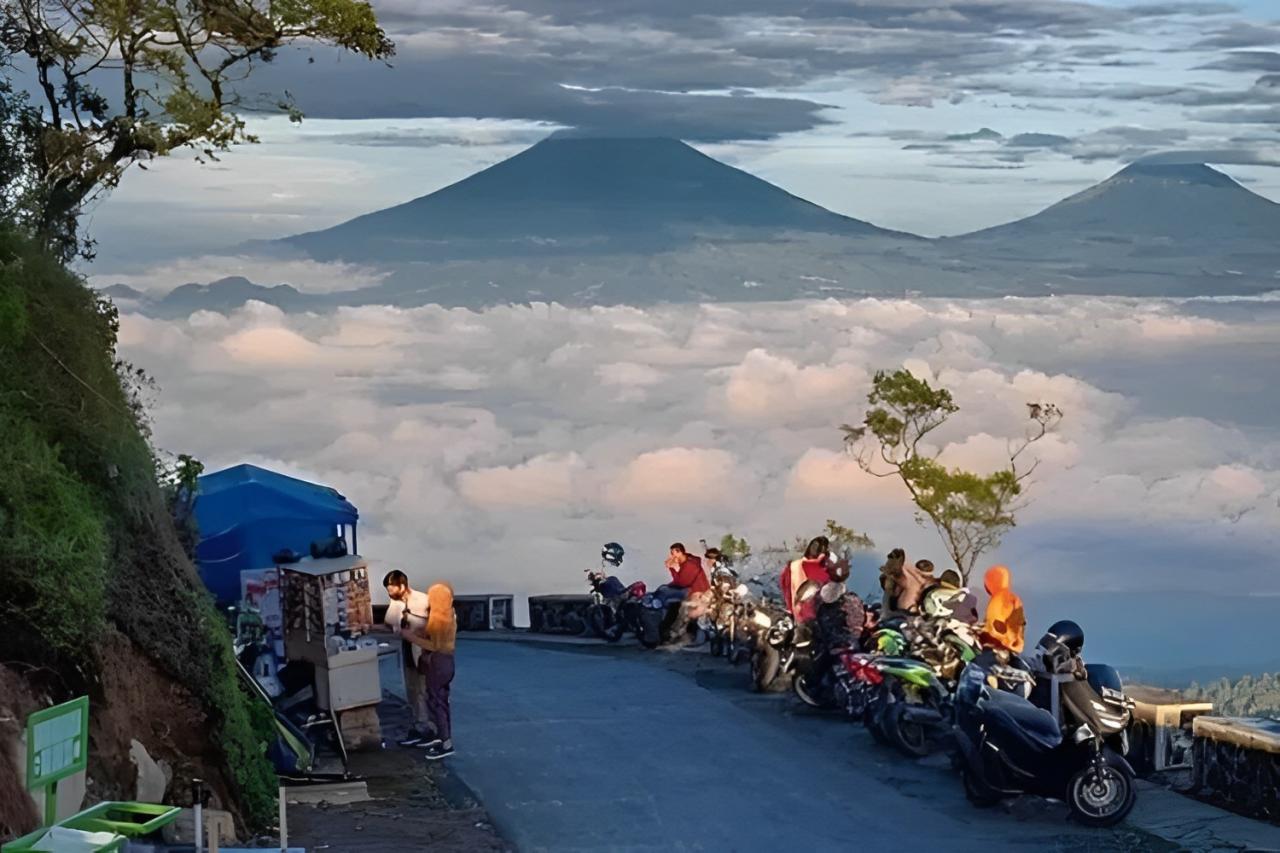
815 565
1005 626
904 584
689 586
841 614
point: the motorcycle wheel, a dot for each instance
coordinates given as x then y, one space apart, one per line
910 737
717 646
1101 796
976 792
739 655
873 715
800 685
764 668
601 620
615 631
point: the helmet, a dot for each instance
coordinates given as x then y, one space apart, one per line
942 602
612 553
1060 644
889 641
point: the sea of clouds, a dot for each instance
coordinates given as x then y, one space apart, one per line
500 448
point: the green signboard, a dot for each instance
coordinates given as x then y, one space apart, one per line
57 747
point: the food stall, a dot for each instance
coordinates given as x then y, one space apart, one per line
326 619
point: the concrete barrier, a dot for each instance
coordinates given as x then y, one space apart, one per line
559 614
1237 764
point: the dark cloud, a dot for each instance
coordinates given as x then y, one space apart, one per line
1243 115
643 65
1241 34
1246 60
1037 140
1219 156
984 134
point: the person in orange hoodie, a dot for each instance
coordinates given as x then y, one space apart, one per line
436 664
1006 625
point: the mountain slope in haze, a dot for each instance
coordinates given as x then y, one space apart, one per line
638 222
1145 201
572 195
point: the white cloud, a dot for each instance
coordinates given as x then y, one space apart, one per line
468 437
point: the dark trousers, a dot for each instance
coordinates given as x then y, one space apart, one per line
437 670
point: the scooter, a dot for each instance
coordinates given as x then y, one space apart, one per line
1010 745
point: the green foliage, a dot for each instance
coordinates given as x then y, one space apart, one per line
179 482
1248 697
846 538
174 71
86 538
971 511
734 548
52 544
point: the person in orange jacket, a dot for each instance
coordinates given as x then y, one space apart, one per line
1006 625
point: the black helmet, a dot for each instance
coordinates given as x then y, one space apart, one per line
1060 644
612 553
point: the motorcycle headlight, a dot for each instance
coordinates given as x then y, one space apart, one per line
761 619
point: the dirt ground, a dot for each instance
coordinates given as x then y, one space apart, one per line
144 704
416 805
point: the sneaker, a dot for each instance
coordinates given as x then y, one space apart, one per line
429 742
413 738
439 751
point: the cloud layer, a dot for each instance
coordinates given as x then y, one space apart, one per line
500 448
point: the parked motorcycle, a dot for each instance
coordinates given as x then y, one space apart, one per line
615 608
1010 745
917 709
774 640
725 614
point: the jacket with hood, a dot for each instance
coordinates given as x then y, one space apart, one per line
442 622
690 576
1006 625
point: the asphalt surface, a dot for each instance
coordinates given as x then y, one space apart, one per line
591 749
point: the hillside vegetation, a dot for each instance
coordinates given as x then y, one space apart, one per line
99 595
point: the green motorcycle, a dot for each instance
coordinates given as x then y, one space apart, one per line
913 707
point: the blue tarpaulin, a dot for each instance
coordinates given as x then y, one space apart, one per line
246 514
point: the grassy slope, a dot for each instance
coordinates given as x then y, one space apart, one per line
85 536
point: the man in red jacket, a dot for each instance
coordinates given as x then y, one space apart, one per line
689 585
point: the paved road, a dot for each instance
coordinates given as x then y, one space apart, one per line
572 750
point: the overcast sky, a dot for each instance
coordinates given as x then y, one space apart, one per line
870 107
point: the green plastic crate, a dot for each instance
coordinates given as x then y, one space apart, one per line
132 820
23 844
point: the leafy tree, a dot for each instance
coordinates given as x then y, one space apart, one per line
125 81
736 549
971 511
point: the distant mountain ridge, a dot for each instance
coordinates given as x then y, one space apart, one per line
1154 200
584 221
570 194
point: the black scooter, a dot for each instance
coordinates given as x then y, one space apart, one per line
1010 745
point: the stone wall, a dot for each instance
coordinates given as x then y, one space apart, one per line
1237 764
558 614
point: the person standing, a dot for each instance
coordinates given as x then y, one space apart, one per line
407 617
436 664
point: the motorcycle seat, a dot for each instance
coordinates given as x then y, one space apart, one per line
1009 716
